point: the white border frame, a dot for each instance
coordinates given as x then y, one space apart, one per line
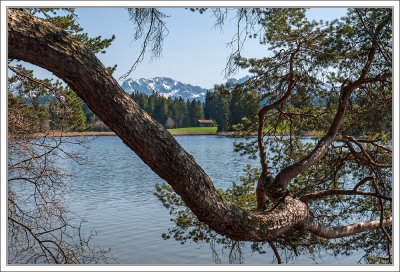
5 4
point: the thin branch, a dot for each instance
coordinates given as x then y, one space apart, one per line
324 193
260 132
307 115
143 51
382 212
338 232
361 182
266 177
251 17
375 144
14 69
51 150
265 109
378 78
36 238
374 37
48 231
275 252
155 35
348 140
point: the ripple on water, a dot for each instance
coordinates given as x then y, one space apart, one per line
115 195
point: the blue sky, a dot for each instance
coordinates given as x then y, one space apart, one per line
194 52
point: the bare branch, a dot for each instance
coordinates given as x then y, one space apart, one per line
275 252
46 249
48 152
54 92
155 35
246 19
324 193
382 213
344 231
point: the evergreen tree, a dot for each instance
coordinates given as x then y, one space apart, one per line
196 112
160 109
236 108
192 112
209 106
178 112
353 55
199 111
222 113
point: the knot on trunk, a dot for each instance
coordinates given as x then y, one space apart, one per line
275 193
267 187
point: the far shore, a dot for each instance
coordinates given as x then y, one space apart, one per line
111 133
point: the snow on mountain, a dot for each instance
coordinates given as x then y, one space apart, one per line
12 88
15 90
169 87
241 80
166 87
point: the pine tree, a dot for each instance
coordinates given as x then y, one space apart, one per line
222 113
209 106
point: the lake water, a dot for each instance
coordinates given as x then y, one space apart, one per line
115 194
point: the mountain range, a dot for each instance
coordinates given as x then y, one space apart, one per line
169 87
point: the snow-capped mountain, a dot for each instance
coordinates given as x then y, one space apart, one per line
12 88
166 87
15 90
240 80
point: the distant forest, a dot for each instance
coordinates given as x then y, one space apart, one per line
226 111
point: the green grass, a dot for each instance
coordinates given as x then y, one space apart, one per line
194 129
282 127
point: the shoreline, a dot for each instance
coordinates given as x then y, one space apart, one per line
111 133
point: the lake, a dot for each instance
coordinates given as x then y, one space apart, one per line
115 194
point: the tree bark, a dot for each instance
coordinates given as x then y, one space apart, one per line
41 43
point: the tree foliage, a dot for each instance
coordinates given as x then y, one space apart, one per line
227 110
172 113
302 85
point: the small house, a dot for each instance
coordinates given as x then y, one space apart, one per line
204 123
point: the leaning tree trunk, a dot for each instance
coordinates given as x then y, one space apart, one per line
41 43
